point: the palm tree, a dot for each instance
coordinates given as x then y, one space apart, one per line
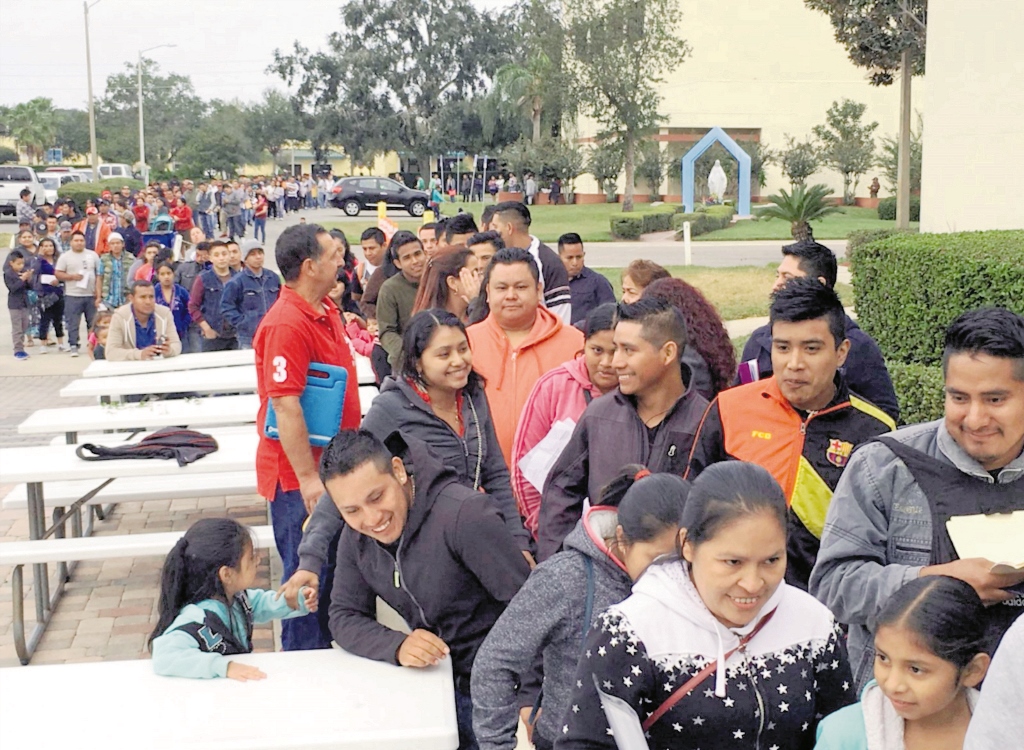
525 87
799 208
33 126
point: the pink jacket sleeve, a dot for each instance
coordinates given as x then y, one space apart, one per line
534 423
362 340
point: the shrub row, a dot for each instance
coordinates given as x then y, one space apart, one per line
887 208
631 226
911 286
80 192
919 390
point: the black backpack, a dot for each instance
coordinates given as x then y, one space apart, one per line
170 442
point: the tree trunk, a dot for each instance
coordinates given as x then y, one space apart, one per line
801 230
537 109
627 196
903 165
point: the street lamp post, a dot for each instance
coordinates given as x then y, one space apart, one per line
142 127
92 108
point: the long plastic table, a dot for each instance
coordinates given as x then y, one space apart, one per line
310 699
104 368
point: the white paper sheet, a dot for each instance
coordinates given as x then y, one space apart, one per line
998 537
623 721
86 280
536 465
47 278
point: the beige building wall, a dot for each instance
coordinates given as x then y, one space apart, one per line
974 149
772 65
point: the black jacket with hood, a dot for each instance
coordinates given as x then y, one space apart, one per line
454 570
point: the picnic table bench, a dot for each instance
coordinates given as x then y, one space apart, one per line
310 699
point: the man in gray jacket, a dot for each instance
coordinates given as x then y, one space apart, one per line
887 521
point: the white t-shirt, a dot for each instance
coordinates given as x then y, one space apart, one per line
85 263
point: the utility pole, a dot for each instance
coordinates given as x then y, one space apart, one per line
92 107
903 165
142 128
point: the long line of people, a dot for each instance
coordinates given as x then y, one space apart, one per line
712 596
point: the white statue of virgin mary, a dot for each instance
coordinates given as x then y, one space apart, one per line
717 182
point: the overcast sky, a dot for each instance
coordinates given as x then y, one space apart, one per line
225 46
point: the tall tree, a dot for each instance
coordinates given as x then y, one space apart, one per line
605 164
619 51
272 121
33 127
847 144
219 144
401 60
72 131
885 36
171 109
525 87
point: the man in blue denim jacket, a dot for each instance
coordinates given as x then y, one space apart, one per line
249 294
886 524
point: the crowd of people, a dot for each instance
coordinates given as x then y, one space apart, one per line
578 500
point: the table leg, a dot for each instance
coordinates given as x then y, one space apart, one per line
60 532
70 438
37 530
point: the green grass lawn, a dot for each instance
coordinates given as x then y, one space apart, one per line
740 292
834 227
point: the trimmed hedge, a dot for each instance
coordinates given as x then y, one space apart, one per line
702 222
631 226
910 287
887 209
919 390
80 192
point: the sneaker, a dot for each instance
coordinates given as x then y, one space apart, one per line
42 349
74 351
21 356
63 347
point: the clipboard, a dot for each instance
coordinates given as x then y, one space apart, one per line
322 402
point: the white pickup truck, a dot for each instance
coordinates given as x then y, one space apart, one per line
13 179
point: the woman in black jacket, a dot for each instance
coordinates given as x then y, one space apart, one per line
438 398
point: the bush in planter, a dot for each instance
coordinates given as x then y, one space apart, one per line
80 192
887 208
919 389
627 227
910 287
702 222
658 221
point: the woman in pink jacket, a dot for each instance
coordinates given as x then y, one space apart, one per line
561 395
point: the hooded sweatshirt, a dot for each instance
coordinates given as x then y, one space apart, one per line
872 724
510 373
769 695
452 572
474 455
559 395
546 617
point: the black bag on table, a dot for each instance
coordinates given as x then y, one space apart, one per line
170 442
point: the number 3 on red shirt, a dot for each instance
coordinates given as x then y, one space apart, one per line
280 369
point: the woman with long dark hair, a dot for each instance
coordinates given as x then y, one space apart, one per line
436 396
450 282
51 297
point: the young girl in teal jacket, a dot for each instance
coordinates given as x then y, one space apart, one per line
208 605
929 658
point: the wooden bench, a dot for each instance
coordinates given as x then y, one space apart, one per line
44 551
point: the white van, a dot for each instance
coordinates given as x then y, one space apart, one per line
114 171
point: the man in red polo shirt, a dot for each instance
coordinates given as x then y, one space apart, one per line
303 326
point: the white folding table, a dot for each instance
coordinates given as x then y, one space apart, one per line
324 699
104 368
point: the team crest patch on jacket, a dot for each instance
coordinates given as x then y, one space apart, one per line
838 453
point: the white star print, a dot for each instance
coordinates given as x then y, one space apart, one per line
565 729
835 665
766 674
608 732
804 727
631 649
803 674
782 689
698 721
575 709
579 683
784 707
846 686
729 702
771 725
708 693
742 686
607 684
636 670
807 694
774 747
678 727
627 682
780 669
668 687
613 642
588 653
738 734
601 651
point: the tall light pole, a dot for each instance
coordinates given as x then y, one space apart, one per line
142 127
92 107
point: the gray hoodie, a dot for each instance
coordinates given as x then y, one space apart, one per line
546 617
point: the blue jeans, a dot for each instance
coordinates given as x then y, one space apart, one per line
208 225
74 309
287 514
236 226
464 718
260 228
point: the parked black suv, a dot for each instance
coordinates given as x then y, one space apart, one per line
355 194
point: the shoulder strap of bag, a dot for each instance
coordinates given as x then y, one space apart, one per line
702 675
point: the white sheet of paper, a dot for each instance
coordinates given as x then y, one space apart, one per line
536 465
47 278
997 537
623 721
83 283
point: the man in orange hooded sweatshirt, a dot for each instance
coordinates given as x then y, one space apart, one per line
518 341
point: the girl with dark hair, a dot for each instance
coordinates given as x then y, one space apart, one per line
556 403
208 606
437 397
930 656
175 298
51 296
637 520
709 342
450 282
637 276
713 648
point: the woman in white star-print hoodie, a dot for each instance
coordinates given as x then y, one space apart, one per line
713 649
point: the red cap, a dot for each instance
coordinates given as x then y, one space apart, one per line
90 211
